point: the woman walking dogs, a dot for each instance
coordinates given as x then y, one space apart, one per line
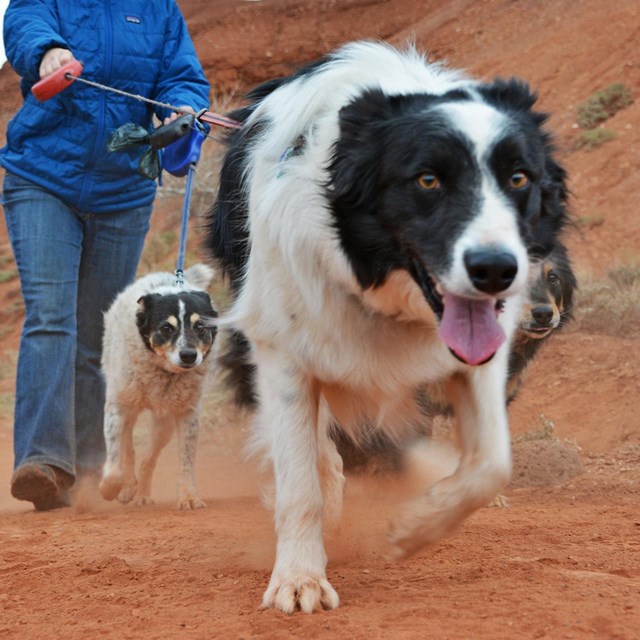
77 215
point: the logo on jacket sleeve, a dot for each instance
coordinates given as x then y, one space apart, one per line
133 19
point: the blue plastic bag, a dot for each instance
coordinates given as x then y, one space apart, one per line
179 155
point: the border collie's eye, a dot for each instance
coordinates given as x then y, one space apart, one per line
553 279
518 180
166 329
429 182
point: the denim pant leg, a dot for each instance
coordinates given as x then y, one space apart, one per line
111 250
46 236
72 265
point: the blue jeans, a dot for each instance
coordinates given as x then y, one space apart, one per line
72 264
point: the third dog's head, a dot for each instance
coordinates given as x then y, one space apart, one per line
178 327
551 296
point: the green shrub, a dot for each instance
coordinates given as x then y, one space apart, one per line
590 221
602 105
593 138
7 275
626 276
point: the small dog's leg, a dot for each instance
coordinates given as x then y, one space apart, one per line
161 432
480 408
187 441
118 477
289 413
331 470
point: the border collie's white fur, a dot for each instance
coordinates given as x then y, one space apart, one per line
377 216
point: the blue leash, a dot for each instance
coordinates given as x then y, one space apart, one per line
186 206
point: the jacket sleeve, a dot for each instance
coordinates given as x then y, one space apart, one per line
182 81
30 29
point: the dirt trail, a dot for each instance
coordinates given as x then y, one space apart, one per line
563 561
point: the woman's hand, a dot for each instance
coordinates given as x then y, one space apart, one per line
53 59
183 110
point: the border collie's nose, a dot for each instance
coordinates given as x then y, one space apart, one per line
188 356
491 271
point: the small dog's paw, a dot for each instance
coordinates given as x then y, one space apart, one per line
142 501
127 493
306 593
110 487
500 501
191 503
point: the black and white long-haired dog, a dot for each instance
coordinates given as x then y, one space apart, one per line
377 217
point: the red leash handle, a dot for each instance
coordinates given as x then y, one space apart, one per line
57 81
209 117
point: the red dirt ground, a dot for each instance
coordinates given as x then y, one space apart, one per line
563 561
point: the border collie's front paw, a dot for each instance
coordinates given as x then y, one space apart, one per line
304 592
421 522
500 502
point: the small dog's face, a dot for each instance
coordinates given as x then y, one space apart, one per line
550 297
177 327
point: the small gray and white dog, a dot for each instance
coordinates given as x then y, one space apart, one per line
157 337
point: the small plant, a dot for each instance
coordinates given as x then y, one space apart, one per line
590 221
544 430
6 405
602 105
8 269
626 276
593 138
7 275
610 306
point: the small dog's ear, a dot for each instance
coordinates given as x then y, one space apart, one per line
142 316
143 319
206 298
145 301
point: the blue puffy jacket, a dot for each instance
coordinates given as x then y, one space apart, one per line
140 46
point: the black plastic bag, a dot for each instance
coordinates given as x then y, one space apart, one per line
132 135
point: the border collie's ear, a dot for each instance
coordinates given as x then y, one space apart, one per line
371 107
554 214
515 96
353 173
562 265
511 95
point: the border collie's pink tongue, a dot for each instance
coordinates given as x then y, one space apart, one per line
470 328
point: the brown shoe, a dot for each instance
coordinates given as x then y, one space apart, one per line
44 485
